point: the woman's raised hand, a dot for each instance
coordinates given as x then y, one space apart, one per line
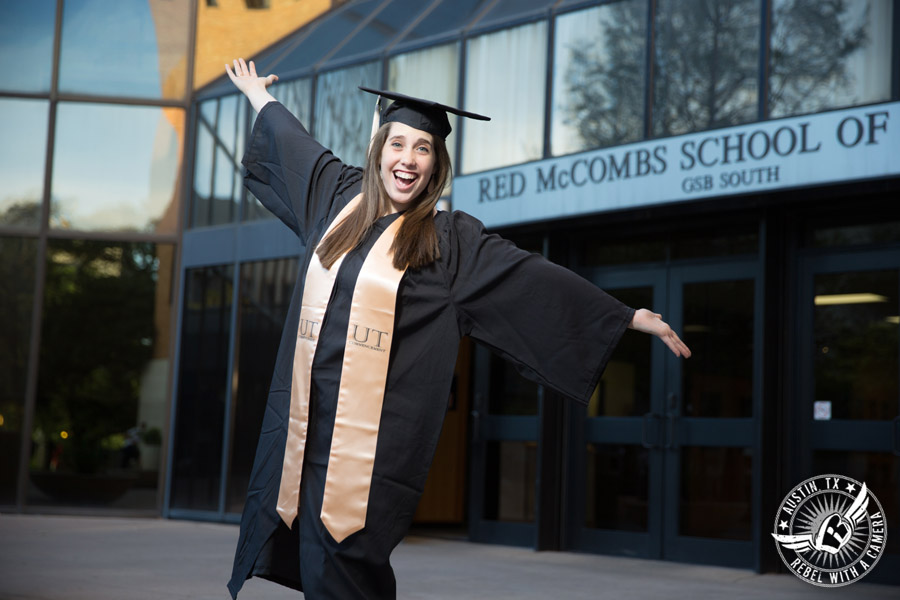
652 323
245 79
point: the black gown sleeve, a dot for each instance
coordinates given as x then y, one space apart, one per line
557 328
294 176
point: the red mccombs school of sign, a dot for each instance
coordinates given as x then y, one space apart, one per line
843 145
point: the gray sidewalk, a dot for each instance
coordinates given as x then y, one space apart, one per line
106 558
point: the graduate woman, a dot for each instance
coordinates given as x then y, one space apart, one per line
387 287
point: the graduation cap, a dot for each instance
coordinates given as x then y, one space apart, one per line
426 115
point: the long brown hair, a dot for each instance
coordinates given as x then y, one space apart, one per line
416 243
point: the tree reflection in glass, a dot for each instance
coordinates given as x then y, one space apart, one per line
343 113
598 88
102 371
705 65
829 54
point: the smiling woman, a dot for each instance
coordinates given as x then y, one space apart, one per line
386 288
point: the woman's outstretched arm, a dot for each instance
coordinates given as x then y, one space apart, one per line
245 79
652 323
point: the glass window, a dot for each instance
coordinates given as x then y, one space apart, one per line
510 481
508 10
265 296
716 493
135 49
624 388
856 352
706 65
202 206
829 54
296 96
16 302
881 473
382 29
617 487
103 374
344 113
718 328
202 384
125 179
446 17
319 40
598 77
423 74
515 101
26 41
22 162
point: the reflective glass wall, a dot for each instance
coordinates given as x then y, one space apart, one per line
91 146
556 78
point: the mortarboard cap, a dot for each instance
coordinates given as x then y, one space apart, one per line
426 115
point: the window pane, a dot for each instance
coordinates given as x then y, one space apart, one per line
599 72
202 383
624 388
617 487
344 113
716 493
424 74
265 296
135 49
327 31
446 17
829 54
880 471
705 65
510 479
22 163
103 374
26 40
382 29
515 101
718 328
17 272
856 337
296 96
203 211
510 393
125 179
511 9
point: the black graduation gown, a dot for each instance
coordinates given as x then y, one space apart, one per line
555 327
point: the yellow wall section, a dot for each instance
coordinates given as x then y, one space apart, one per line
231 30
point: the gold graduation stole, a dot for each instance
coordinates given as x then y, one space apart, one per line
367 351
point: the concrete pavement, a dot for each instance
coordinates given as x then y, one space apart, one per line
107 558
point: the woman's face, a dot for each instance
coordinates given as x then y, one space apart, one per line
407 162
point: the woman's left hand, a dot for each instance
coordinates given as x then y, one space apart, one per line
652 323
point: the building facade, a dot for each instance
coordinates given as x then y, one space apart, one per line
734 166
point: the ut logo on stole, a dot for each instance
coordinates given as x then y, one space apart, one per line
367 337
308 329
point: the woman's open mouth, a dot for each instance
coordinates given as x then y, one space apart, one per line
404 180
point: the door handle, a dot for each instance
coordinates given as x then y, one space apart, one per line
648 418
672 423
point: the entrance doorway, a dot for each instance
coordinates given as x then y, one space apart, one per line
848 392
662 463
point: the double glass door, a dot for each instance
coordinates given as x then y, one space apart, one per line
662 463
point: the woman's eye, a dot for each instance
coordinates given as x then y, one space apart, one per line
396 144
423 149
